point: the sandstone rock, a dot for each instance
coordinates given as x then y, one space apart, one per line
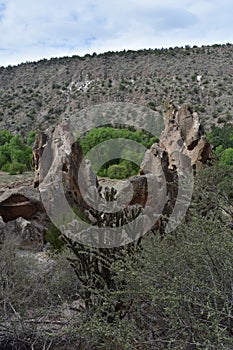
184 135
20 202
182 146
182 149
63 178
23 217
26 234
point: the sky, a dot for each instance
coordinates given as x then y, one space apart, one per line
33 30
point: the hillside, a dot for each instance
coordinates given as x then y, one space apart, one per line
143 263
38 94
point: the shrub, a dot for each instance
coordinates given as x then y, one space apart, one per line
117 171
98 135
226 157
16 168
15 155
177 293
52 237
31 295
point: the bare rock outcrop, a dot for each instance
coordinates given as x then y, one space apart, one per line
182 143
61 173
20 202
23 217
184 135
27 234
64 179
59 165
59 169
182 150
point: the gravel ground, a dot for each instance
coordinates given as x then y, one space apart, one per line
11 181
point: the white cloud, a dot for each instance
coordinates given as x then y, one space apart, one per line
34 30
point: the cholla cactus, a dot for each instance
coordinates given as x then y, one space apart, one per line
93 266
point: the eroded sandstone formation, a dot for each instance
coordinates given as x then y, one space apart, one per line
182 144
23 217
184 134
62 177
60 169
183 149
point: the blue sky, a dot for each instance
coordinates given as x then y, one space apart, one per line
32 30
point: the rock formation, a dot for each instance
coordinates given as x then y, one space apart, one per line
182 144
27 234
60 169
63 179
23 217
182 150
184 134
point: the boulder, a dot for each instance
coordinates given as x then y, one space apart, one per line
23 217
20 202
28 235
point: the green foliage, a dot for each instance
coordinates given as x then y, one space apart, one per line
31 138
222 141
122 170
226 157
5 137
15 155
221 136
177 293
117 171
52 237
16 168
213 193
187 285
98 135
119 335
124 167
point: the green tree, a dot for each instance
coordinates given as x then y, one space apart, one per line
99 135
117 171
221 136
5 137
31 138
15 155
5 157
226 157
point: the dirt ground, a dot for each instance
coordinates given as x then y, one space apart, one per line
11 181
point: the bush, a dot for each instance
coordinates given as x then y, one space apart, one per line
185 285
226 157
126 167
16 168
15 154
176 293
213 193
52 237
31 297
221 136
117 171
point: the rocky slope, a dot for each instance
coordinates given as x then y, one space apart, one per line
38 94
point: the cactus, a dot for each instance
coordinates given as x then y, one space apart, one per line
93 266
